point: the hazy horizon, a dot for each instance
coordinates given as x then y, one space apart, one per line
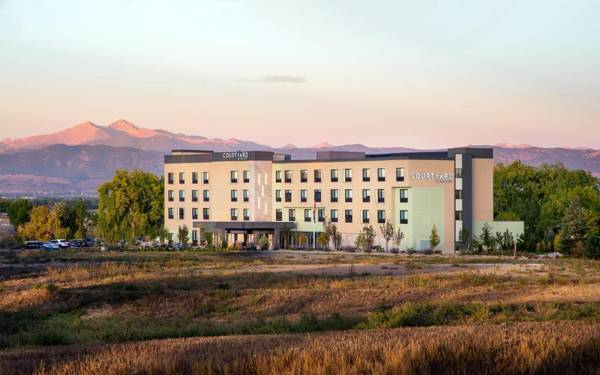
409 74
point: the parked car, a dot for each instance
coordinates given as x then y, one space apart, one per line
61 242
50 246
33 244
75 244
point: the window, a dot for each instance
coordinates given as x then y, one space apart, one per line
205 195
321 215
181 178
458 173
458 215
278 214
334 195
246 195
380 196
307 217
403 217
181 213
194 177
400 174
334 175
303 175
366 195
246 176
403 195
291 214
334 216
288 195
194 195
458 194
205 213
348 195
246 213
234 196
170 178
380 174
317 175
366 174
234 214
348 175
277 195
234 177
381 216
205 177
317 195
277 176
170 196
365 216
288 176
194 213
348 216
303 195
171 213
195 236
182 195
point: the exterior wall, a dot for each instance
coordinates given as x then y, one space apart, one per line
483 189
429 182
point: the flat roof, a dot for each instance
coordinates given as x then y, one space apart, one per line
203 156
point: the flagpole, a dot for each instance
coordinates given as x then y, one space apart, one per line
314 220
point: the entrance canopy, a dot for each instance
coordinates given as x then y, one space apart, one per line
244 226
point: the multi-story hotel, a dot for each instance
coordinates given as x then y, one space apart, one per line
238 196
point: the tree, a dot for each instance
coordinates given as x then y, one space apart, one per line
302 239
398 237
323 240
592 240
463 236
263 242
574 225
183 234
508 240
487 238
434 238
366 239
387 231
130 205
19 211
334 235
43 225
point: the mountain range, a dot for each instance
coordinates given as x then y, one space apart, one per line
75 160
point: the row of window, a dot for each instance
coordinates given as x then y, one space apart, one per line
348 216
333 175
334 195
205 195
181 213
181 175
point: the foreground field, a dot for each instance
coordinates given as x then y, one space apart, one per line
80 306
536 348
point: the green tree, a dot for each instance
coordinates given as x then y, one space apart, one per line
487 238
19 211
130 205
263 242
574 226
463 237
183 234
387 231
592 240
366 239
434 238
43 225
332 232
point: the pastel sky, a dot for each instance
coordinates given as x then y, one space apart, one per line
383 73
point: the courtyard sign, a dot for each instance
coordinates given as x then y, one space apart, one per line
437 177
236 155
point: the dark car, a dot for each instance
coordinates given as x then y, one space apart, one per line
33 244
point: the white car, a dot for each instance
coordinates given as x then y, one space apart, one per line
50 246
62 243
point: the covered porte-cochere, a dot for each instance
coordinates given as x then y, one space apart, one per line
243 233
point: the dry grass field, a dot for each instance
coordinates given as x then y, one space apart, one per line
71 312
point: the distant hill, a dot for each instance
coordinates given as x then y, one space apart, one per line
77 159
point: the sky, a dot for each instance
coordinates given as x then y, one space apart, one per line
424 74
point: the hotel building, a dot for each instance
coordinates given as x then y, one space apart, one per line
238 196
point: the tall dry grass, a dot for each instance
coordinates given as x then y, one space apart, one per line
531 348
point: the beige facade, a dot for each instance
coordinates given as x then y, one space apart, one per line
245 193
